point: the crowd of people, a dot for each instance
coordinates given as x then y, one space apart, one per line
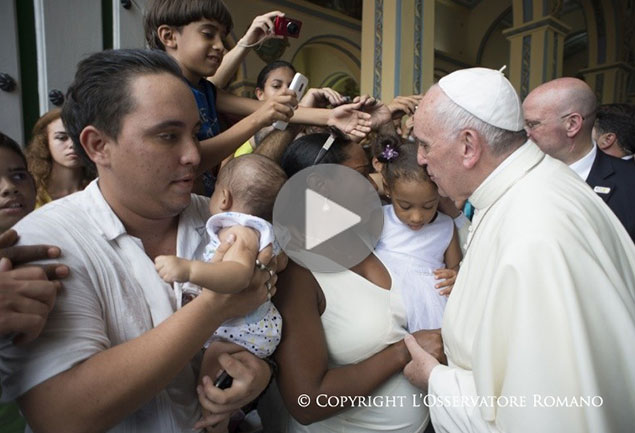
142 287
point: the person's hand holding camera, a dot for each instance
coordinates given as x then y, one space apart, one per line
261 29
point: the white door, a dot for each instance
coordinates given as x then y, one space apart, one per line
127 20
66 32
11 121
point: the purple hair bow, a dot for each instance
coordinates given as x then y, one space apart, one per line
389 153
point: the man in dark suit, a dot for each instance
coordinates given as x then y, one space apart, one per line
559 117
616 178
614 130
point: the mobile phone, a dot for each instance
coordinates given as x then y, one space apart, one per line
224 381
284 26
298 85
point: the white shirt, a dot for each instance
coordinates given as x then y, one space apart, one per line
583 165
112 295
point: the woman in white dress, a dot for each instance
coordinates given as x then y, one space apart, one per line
343 335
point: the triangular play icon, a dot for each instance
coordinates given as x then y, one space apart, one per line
325 219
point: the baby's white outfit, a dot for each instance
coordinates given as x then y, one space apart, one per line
412 257
259 331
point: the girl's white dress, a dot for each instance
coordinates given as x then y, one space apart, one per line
412 256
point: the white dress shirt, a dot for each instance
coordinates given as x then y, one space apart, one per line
583 165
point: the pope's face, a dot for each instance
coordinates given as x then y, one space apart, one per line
150 167
438 151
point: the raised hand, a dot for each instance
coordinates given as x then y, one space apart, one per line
381 118
320 98
261 29
350 119
403 105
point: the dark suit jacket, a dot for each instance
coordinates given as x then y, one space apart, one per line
618 175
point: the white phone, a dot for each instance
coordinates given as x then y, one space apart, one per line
298 85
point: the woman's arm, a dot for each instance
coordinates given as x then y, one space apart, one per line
302 355
348 118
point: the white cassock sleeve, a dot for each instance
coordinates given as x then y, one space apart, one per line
555 336
454 418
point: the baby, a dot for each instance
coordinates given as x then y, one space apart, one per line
242 205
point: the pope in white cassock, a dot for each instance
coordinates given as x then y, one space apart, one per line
539 330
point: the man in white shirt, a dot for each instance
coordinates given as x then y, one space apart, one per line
559 118
539 328
118 352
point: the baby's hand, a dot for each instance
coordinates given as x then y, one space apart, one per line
449 277
172 268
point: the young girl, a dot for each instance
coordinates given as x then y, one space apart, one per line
418 242
56 167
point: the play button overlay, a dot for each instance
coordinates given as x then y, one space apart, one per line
316 206
327 218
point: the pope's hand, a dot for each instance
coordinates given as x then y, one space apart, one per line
418 370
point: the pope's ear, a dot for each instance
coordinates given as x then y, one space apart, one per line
471 147
96 144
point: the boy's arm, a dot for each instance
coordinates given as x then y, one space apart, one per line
215 149
260 30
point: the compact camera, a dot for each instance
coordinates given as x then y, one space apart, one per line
287 27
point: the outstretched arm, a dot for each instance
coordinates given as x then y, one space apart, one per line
215 149
276 142
259 31
348 118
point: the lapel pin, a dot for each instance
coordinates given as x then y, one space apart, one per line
601 189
